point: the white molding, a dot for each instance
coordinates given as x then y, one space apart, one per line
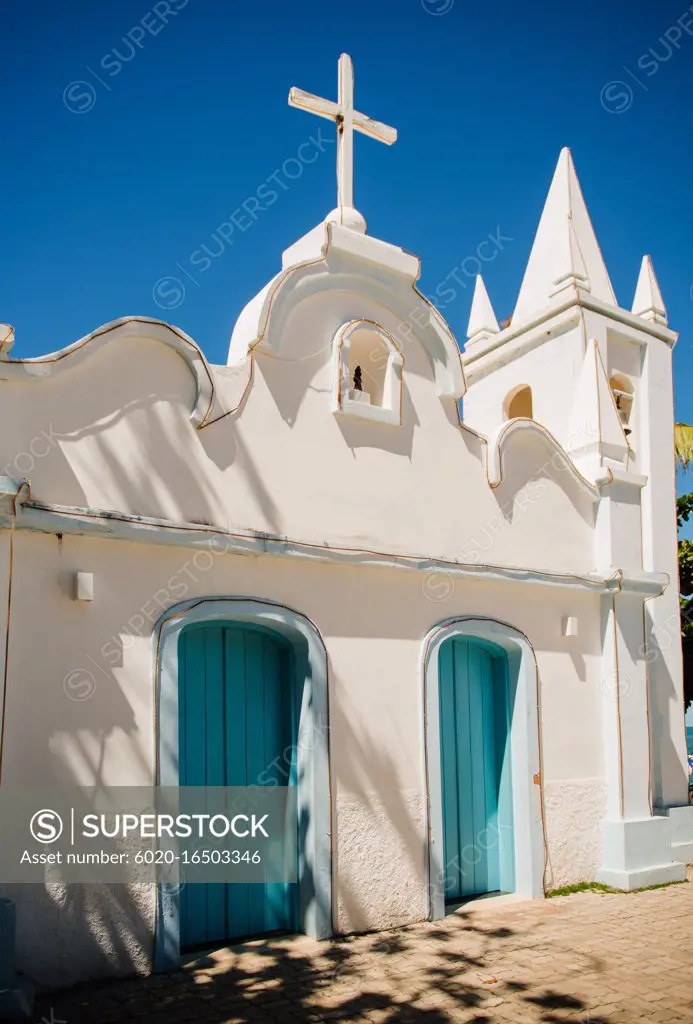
91 522
593 484
373 413
609 475
525 752
480 359
55 363
498 440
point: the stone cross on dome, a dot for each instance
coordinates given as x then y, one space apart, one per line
348 120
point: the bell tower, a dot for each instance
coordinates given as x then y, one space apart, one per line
599 378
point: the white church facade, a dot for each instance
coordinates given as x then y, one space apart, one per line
432 585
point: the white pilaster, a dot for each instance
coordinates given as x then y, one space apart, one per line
663 625
637 848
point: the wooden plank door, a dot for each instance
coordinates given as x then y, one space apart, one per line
237 727
475 769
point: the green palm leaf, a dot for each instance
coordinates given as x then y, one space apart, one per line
683 445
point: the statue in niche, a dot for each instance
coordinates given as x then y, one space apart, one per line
356 392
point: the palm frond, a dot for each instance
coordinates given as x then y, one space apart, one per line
683 445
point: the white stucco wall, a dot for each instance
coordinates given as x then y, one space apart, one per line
549 368
373 622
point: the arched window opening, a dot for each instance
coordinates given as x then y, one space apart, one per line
368 378
518 404
367 362
622 390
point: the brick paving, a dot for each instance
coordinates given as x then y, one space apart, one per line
592 958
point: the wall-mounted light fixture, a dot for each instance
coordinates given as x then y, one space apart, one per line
570 625
84 586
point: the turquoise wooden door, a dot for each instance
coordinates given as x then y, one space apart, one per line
475 769
238 717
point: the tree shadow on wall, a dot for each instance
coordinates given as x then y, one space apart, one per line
67 931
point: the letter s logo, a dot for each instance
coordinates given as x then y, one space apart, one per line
46 826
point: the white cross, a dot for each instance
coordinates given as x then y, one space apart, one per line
347 120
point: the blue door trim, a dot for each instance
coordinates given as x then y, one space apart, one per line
525 753
313 755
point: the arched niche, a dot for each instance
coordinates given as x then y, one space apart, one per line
368 373
518 403
622 390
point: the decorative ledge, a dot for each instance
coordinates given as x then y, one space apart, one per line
45 518
363 411
481 357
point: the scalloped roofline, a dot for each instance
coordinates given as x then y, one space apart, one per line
499 438
54 363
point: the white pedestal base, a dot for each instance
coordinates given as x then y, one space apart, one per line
639 853
681 825
629 880
359 396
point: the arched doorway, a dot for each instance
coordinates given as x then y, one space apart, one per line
237 680
481 731
475 704
237 726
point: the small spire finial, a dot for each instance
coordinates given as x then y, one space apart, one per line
648 302
482 319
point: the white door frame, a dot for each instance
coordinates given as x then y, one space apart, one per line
524 750
313 754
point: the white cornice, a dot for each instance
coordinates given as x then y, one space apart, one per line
609 475
63 519
481 358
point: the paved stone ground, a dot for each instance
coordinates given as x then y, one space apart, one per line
589 958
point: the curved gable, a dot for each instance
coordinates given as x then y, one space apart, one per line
54 364
334 260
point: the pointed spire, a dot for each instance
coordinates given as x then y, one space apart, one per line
565 250
482 319
595 430
648 302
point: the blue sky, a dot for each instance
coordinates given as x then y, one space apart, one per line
132 131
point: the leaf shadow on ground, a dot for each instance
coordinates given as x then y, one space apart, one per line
435 973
